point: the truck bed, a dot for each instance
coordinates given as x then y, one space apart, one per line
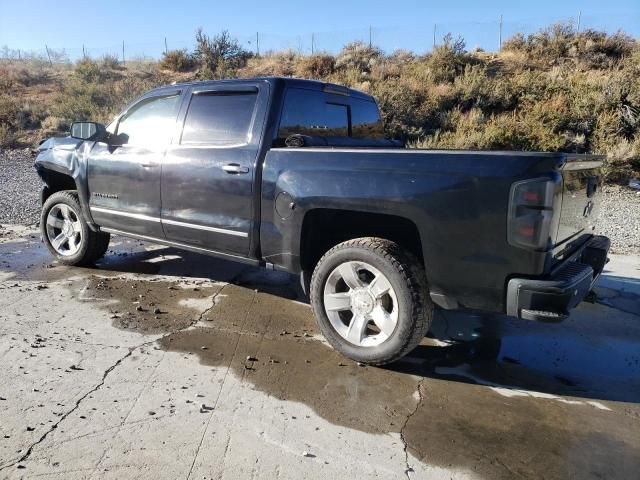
458 201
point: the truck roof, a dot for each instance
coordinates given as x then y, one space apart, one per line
277 81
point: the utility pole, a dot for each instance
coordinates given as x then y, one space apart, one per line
434 35
84 55
258 43
579 19
166 49
370 37
123 52
500 36
312 43
48 55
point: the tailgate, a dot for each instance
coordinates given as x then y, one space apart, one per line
581 178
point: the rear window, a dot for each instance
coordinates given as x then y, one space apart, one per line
219 118
308 113
365 120
314 113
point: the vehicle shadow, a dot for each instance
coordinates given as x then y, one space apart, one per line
171 262
595 354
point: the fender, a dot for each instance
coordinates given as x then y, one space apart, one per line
67 156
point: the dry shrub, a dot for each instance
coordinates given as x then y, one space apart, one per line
7 137
52 125
177 61
281 64
553 90
358 56
111 62
315 67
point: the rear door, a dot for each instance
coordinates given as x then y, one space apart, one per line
124 176
208 175
581 178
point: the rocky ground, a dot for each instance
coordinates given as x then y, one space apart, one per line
20 204
19 188
620 218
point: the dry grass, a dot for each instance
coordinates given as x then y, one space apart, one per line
553 90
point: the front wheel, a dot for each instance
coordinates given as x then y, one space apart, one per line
66 234
371 300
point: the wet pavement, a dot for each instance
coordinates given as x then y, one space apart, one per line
164 364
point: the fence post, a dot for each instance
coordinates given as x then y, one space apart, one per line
312 43
84 55
370 37
434 35
258 43
579 19
122 52
500 36
166 49
48 56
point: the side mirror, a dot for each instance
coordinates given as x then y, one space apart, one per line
87 130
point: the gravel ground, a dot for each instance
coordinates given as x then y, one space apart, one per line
620 218
20 202
19 188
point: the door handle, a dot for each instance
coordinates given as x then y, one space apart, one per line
235 168
148 165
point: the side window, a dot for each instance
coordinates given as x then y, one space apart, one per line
219 118
151 122
308 113
365 120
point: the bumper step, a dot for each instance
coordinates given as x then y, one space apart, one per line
549 299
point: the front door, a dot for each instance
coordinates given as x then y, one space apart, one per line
208 173
124 175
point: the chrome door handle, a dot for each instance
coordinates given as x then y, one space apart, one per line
235 168
148 165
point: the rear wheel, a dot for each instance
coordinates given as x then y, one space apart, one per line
66 234
371 301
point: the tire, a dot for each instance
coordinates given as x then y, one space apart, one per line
366 317
66 233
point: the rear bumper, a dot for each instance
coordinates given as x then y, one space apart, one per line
549 299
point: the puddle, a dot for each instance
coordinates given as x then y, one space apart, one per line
148 306
469 426
271 346
29 260
455 423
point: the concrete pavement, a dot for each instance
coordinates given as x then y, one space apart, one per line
164 364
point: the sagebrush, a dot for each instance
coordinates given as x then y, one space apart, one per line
554 90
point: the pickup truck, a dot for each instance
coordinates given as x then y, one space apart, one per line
297 175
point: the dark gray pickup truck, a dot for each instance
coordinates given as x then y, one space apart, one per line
297 175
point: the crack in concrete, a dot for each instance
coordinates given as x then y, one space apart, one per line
408 469
106 373
224 379
206 310
173 332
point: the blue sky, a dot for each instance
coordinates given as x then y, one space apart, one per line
143 25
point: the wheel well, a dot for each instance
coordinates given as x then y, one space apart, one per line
56 182
325 228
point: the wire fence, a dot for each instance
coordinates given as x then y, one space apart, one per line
419 38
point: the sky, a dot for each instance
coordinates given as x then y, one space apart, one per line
324 25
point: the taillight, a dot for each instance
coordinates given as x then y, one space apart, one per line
531 213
